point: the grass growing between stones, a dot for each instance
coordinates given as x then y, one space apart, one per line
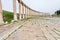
51 34
44 35
56 30
26 19
17 28
14 31
56 33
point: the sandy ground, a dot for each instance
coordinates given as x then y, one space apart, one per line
38 29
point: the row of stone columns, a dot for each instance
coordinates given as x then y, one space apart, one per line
24 11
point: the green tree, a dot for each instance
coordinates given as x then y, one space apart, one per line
57 12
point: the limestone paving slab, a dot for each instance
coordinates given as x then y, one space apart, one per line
37 29
10 28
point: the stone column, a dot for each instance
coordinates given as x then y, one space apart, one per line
14 9
1 17
24 15
29 13
23 11
20 10
26 12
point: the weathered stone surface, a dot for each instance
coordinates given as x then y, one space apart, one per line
36 29
1 17
14 9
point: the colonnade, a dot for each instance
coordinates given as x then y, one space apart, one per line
24 11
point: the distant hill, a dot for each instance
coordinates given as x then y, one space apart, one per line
7 16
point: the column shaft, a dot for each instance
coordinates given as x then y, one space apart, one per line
1 17
14 9
26 12
20 10
23 11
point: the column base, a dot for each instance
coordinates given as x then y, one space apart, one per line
23 16
20 17
15 17
1 23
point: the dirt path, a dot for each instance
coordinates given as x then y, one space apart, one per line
38 29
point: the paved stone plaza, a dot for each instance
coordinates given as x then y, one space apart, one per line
38 29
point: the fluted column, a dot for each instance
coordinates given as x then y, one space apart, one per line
23 11
14 9
1 17
20 10
29 12
26 12
24 15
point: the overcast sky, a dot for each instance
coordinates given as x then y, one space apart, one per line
48 6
